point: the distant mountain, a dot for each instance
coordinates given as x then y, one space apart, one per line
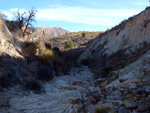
49 32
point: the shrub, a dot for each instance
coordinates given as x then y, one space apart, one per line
57 51
46 56
30 49
87 62
106 70
33 84
48 46
83 34
69 44
107 29
4 82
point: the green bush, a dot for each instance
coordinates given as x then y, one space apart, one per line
69 44
83 34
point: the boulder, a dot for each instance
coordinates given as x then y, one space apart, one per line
74 101
103 83
72 88
76 83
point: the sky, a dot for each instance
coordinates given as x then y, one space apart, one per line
76 15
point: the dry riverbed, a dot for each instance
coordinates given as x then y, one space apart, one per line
64 94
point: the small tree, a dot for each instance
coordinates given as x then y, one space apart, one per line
25 19
69 44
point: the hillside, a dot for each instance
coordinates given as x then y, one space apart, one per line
80 39
120 60
129 40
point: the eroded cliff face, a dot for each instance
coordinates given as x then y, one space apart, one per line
7 44
120 59
131 35
15 69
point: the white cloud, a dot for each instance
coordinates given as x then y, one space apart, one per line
81 15
84 15
12 12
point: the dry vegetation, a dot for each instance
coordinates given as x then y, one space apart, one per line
80 39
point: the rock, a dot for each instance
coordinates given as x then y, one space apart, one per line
72 88
130 104
126 87
80 70
121 80
115 103
33 84
69 88
140 91
71 111
88 80
74 101
22 110
1 104
104 108
140 84
149 97
103 83
4 103
131 97
62 87
116 92
76 83
115 73
147 89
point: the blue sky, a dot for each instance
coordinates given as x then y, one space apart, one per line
77 15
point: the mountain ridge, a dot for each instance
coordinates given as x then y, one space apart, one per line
49 32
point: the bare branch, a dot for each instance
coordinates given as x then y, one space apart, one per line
26 19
